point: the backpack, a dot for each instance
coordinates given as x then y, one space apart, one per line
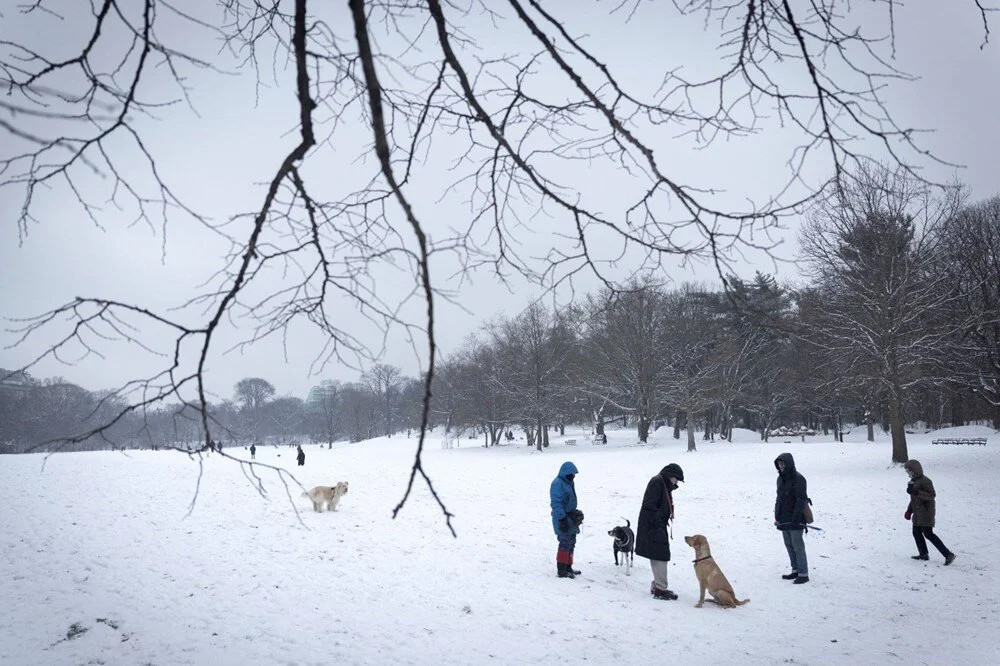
807 513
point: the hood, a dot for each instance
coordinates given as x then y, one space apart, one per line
672 470
915 467
566 469
789 463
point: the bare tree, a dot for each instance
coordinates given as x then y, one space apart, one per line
626 344
874 251
324 402
513 119
384 382
476 388
253 392
534 350
972 261
692 361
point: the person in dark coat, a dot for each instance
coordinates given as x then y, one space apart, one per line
301 456
652 540
566 518
789 510
921 511
253 451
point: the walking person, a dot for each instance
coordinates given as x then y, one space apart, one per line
789 516
566 518
921 511
652 539
301 456
253 451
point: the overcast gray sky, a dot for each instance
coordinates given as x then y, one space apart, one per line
217 160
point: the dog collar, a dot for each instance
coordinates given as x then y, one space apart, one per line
707 557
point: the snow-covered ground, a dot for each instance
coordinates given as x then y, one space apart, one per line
100 562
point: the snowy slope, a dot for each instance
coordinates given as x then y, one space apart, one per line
103 541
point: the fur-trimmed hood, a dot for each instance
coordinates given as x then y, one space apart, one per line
914 467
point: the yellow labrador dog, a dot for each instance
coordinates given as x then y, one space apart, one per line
710 576
328 495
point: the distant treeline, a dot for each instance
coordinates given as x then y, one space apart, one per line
898 322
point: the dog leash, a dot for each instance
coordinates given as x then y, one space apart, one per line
804 527
707 557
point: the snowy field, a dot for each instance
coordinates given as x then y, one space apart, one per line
100 563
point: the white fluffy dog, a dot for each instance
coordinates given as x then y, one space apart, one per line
328 495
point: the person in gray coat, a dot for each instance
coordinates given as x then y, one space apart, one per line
921 511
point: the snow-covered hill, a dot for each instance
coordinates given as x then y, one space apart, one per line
100 562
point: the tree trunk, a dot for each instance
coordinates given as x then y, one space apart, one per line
677 424
870 423
899 454
562 429
643 426
690 433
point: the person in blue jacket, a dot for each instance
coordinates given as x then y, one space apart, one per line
566 518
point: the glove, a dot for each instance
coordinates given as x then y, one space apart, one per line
910 490
564 524
907 514
577 516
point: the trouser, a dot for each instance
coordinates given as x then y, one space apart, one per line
567 544
659 573
921 533
796 548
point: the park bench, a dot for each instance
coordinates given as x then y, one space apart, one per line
571 442
599 439
961 440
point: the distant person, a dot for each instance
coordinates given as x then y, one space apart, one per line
253 452
921 510
566 518
789 516
652 538
301 457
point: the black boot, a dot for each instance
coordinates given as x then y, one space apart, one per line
563 570
922 556
791 576
799 580
949 558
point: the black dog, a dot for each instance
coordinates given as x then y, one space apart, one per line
624 543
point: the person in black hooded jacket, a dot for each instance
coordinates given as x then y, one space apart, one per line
789 510
652 540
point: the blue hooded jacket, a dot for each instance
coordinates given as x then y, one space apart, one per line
562 498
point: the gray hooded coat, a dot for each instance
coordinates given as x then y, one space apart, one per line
922 501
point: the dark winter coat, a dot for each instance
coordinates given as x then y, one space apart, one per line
301 457
562 499
651 537
922 499
791 501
